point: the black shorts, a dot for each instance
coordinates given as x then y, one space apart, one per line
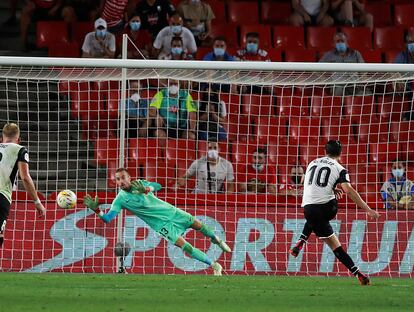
319 215
4 212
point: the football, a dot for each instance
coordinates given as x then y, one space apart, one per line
66 199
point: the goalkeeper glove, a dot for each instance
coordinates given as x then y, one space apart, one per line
91 203
139 188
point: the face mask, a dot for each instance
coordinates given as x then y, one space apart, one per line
135 26
100 33
296 179
410 47
398 173
177 50
258 167
135 97
252 47
341 47
173 89
219 51
212 154
176 30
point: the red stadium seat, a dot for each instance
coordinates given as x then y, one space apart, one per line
392 108
401 131
293 106
271 130
114 97
232 102
288 37
359 38
229 31
49 33
381 13
403 15
275 12
238 128
326 106
158 171
310 152
179 150
320 38
357 107
64 50
141 149
283 154
219 9
370 130
389 38
242 152
300 55
275 54
106 150
202 52
383 153
263 31
258 105
353 153
80 30
391 55
304 131
336 128
371 56
243 12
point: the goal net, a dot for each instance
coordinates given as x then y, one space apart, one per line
82 119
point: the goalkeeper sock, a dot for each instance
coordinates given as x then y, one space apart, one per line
209 233
196 253
343 256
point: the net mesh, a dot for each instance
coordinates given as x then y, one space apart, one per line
70 119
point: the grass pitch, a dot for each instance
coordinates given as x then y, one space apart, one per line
199 293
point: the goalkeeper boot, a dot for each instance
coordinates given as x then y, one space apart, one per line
363 279
217 268
221 243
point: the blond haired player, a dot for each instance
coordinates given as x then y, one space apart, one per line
14 158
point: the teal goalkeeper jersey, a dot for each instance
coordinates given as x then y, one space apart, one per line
152 210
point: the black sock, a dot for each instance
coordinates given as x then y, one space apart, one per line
306 232
1 241
343 256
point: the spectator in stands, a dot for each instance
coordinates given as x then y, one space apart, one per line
11 21
252 51
351 13
342 53
99 43
219 52
114 13
197 17
398 191
141 39
214 174
42 10
295 186
154 15
136 111
259 176
174 112
162 43
310 12
177 51
212 113
407 57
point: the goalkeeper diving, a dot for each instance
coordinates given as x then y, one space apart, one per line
170 222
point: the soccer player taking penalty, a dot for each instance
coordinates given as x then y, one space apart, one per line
320 204
167 220
14 158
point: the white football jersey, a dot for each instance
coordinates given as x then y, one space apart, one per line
321 177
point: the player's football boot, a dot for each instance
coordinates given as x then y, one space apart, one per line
363 279
294 251
222 244
217 268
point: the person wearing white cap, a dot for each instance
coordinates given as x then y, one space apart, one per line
99 43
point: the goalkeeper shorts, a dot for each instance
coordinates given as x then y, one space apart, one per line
177 226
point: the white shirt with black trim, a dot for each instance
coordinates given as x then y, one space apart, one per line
321 177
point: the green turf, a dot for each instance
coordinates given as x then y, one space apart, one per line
199 293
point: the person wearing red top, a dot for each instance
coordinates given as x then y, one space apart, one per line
295 185
252 51
141 45
114 13
258 177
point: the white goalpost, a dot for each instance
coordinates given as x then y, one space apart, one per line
81 119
